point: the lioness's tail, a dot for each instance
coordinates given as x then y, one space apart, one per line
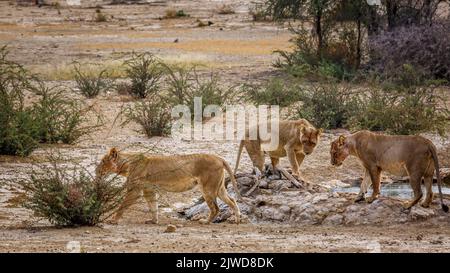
233 180
436 166
238 159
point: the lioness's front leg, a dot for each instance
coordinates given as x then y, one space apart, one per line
131 196
375 177
365 183
151 197
300 156
293 160
255 153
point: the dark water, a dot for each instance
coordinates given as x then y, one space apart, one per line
400 190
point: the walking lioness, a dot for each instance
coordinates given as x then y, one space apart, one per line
297 138
412 156
177 173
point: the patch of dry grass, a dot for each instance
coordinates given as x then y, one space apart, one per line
173 13
115 68
65 71
231 47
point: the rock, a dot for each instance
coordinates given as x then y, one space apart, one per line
304 217
246 181
445 175
319 198
264 185
285 209
419 213
170 229
282 203
279 216
277 185
334 220
335 183
353 208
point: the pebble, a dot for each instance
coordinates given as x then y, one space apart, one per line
170 229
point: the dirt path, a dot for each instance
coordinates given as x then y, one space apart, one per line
190 237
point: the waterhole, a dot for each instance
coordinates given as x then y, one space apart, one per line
400 190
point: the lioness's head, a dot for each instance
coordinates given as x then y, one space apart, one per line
339 151
310 137
108 164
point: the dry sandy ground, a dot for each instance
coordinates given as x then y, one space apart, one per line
236 47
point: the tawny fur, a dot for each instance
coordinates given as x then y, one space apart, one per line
297 138
412 156
148 174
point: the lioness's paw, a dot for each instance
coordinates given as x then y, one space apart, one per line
203 221
359 198
371 199
150 222
299 177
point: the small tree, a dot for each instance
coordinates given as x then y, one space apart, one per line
145 72
70 197
18 129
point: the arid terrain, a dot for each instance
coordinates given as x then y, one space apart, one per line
46 40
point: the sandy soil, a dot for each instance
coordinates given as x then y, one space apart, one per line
236 47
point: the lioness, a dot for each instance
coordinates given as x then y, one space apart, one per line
412 156
297 138
177 173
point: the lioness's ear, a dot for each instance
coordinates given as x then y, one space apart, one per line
113 154
341 140
303 129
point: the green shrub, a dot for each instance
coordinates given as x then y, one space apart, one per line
59 118
184 84
275 92
259 13
123 88
145 72
327 106
18 130
173 13
181 13
336 61
100 17
70 197
51 118
153 115
406 111
91 83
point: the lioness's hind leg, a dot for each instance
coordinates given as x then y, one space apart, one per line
414 181
275 162
214 209
375 176
255 153
223 195
131 196
429 191
152 201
